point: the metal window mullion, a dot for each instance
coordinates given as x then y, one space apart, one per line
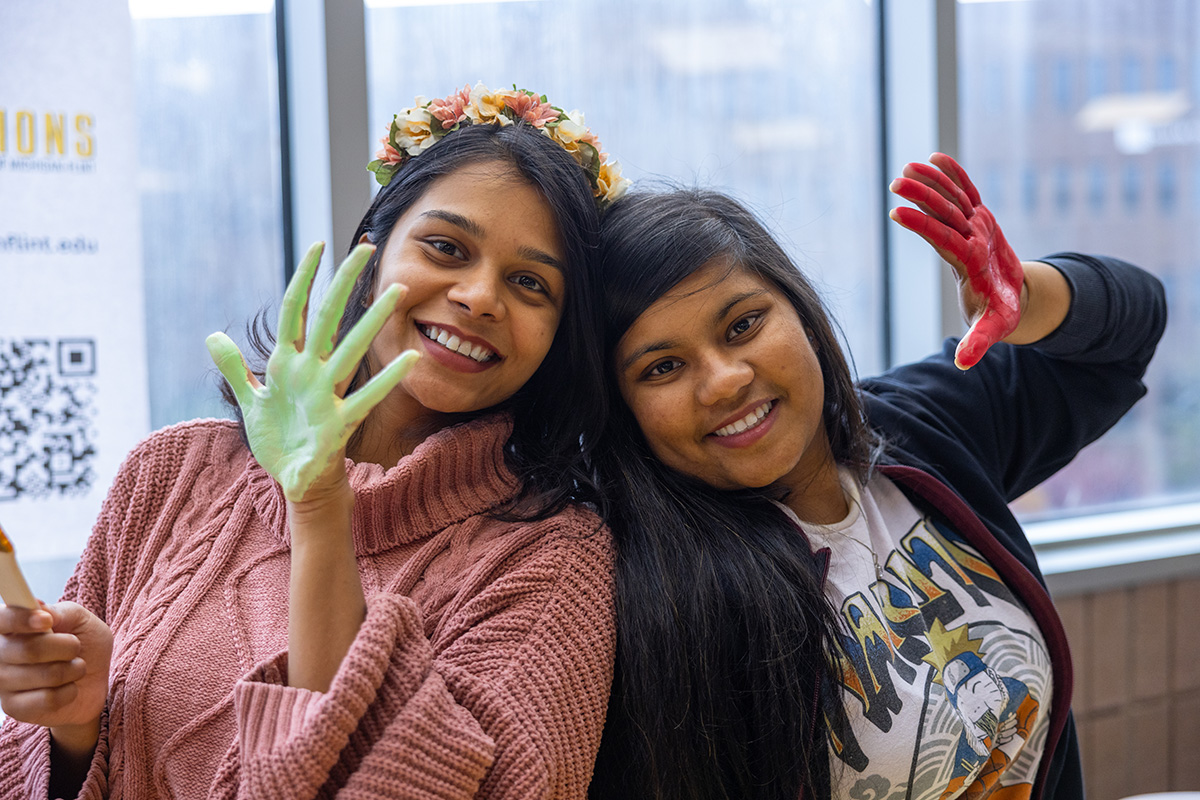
947 133
323 54
919 106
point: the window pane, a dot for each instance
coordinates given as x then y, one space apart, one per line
208 130
773 101
208 175
1112 151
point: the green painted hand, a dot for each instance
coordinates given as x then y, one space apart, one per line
297 422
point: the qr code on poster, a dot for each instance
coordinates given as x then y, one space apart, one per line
47 417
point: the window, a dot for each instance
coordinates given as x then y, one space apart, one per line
774 101
1150 458
212 244
1062 85
1029 189
1166 78
993 185
1131 74
1168 187
208 177
1030 91
1097 180
1062 188
993 82
1131 186
1097 76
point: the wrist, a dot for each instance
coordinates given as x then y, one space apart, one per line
332 503
1045 301
76 743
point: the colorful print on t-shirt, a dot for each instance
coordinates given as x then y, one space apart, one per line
946 679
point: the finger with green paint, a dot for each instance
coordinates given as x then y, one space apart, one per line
297 422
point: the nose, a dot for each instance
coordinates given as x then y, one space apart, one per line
478 292
723 378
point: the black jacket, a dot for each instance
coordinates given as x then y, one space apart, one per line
965 444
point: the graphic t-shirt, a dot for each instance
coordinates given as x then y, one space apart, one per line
946 678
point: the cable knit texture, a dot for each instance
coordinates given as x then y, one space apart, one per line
482 669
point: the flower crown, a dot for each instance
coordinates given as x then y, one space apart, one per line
414 130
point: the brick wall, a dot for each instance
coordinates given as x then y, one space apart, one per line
1137 686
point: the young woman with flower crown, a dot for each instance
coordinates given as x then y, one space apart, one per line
378 583
821 590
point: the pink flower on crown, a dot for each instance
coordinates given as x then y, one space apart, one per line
453 109
389 154
531 109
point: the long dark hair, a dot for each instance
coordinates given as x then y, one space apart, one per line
726 644
555 421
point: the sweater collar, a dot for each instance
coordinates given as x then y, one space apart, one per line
455 474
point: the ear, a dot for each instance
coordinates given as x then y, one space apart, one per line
370 296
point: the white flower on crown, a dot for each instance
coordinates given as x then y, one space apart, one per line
413 133
571 131
488 106
610 184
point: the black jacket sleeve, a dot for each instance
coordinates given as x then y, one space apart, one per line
1025 411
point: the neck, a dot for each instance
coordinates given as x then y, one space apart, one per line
389 433
818 496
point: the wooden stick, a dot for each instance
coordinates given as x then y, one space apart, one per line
13 587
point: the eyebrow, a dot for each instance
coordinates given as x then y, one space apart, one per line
733 301
667 344
475 229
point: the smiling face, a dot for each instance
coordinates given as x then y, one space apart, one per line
725 385
481 258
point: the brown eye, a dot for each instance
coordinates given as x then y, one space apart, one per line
446 248
743 325
529 282
662 368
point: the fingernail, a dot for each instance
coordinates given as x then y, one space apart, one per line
40 621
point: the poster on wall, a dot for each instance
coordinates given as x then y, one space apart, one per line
73 384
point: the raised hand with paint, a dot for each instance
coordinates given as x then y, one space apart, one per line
383 579
992 282
298 422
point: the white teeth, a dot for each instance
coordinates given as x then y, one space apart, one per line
747 422
451 342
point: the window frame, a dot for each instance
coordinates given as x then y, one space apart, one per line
325 97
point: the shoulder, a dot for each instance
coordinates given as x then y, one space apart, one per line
538 576
219 438
572 540
496 563
194 446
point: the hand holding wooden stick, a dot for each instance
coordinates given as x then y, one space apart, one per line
13 588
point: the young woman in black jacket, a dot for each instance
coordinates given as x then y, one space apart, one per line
821 589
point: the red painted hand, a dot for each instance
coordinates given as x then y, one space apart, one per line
964 233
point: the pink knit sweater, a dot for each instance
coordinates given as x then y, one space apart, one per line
482 669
